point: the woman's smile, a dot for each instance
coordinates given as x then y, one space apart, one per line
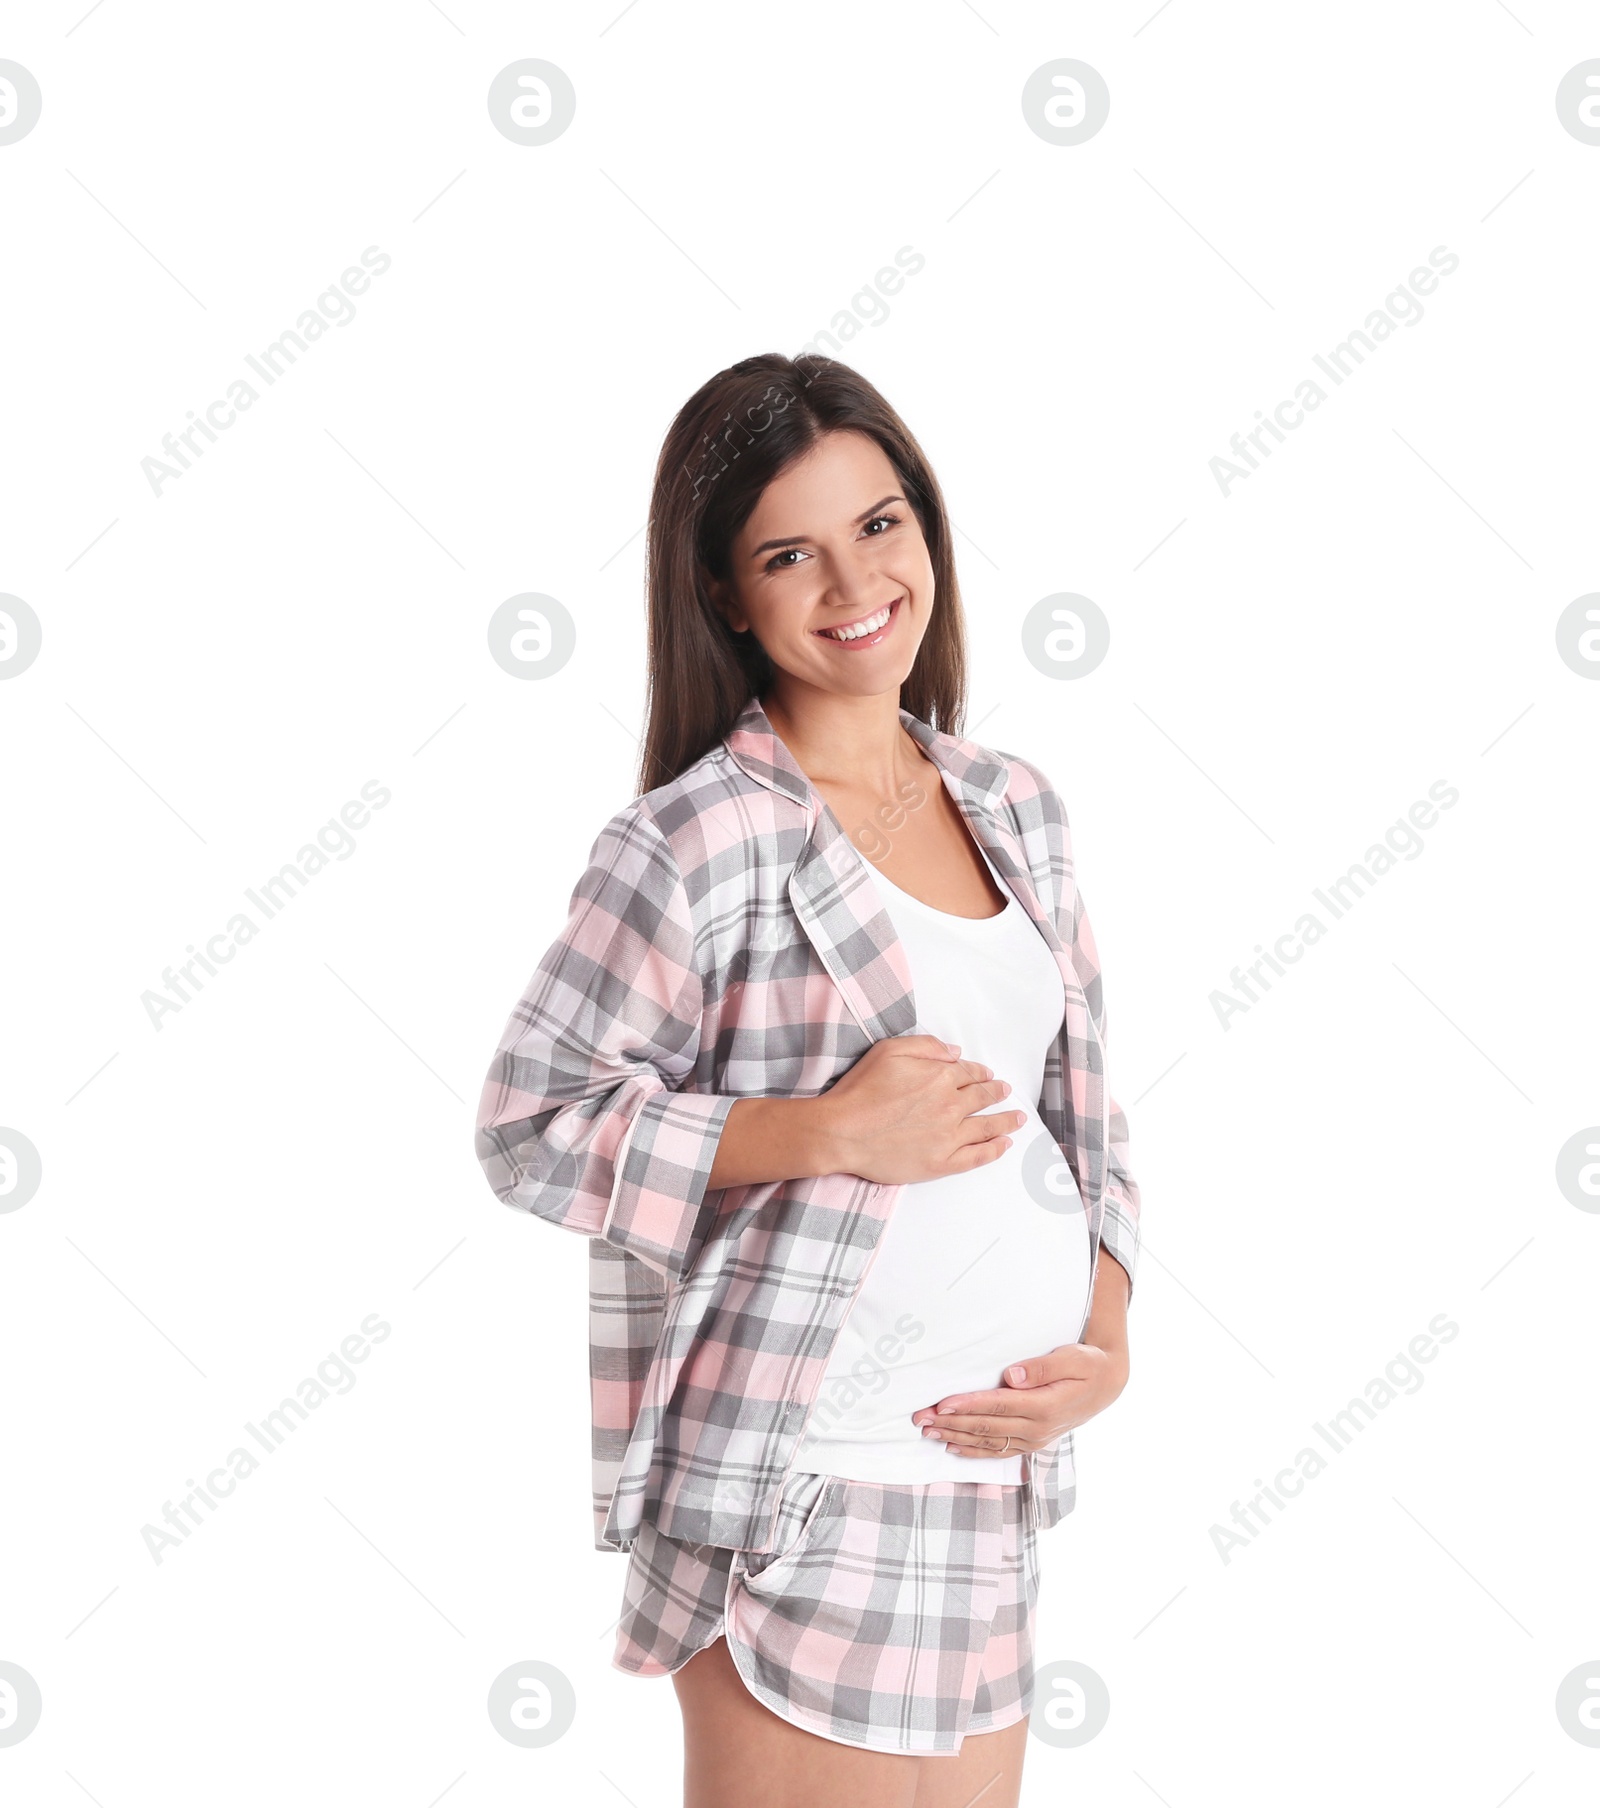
865 630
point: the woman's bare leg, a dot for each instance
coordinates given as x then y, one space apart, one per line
738 1754
985 1773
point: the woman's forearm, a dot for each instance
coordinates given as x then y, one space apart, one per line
1107 1328
773 1139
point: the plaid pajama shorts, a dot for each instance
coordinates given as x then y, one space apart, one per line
896 1616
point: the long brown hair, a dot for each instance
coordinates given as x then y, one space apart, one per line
727 443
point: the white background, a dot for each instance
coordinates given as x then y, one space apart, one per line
225 1198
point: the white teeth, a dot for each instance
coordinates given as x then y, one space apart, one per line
870 626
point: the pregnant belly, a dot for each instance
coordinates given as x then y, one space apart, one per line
972 1273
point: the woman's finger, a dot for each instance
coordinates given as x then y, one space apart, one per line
965 1445
991 1440
968 1425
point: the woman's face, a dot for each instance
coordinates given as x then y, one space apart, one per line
833 544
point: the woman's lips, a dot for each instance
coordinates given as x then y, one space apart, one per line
864 640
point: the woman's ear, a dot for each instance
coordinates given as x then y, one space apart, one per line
722 600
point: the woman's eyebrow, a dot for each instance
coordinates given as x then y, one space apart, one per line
799 539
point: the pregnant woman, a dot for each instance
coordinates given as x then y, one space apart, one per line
818 1067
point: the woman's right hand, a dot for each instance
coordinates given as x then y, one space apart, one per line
907 1111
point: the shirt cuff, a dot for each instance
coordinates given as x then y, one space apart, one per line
657 1210
1119 1235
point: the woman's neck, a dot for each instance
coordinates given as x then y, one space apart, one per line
854 743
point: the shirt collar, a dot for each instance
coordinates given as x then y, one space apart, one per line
757 749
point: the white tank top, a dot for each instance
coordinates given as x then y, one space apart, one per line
973 1271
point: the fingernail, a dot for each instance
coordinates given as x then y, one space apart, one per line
1016 1375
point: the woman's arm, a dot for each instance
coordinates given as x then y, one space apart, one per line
1039 806
910 1109
773 1139
1107 1326
582 1119
1120 1228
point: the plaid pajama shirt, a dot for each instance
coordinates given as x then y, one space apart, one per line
725 942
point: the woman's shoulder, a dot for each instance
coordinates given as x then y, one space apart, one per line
1024 779
990 775
713 787
1027 790
679 825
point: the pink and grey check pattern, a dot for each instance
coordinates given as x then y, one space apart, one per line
896 1616
724 942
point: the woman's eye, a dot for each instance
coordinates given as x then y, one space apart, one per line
775 564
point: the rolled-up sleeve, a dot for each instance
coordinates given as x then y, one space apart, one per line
582 1119
1044 808
1119 1229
